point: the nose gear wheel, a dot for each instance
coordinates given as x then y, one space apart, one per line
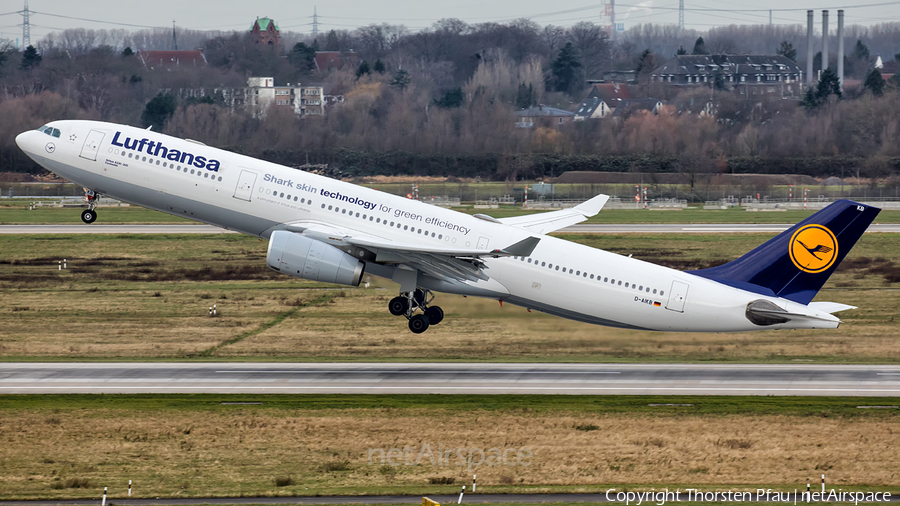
91 198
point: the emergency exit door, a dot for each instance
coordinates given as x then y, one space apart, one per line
677 296
92 144
245 185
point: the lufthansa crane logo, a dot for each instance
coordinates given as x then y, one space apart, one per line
813 248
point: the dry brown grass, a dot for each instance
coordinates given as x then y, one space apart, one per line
150 300
137 323
358 326
134 323
245 451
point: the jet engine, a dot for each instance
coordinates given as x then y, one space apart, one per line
302 257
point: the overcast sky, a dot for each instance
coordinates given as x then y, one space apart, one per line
55 15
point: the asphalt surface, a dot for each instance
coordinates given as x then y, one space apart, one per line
96 228
463 378
671 228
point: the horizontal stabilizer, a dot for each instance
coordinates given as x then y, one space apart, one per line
830 307
764 312
544 223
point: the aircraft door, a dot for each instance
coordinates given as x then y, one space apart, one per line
245 184
92 144
483 243
677 296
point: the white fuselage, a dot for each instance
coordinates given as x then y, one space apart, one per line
257 197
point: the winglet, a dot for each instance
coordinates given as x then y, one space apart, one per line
522 248
592 206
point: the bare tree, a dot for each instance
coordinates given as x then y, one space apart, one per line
592 44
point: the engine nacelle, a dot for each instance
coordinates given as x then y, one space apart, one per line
299 256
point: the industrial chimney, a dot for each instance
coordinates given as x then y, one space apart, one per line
840 54
809 47
824 40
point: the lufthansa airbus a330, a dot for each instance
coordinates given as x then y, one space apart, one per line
331 231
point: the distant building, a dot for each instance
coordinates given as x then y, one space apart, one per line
628 107
748 75
543 116
261 94
169 60
337 60
312 100
591 108
615 76
602 101
265 31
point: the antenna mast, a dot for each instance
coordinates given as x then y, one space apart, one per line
26 27
681 15
315 31
174 39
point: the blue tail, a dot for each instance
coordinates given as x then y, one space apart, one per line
797 262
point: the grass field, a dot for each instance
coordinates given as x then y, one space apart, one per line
194 445
127 297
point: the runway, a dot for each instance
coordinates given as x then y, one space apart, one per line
590 228
442 378
113 229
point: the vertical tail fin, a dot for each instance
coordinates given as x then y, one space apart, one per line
796 263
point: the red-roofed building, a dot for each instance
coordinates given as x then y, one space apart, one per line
172 59
327 60
265 31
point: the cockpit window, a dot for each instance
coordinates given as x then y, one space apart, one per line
49 130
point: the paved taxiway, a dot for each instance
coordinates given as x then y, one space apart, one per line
463 378
666 228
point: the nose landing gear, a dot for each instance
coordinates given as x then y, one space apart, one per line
407 303
91 198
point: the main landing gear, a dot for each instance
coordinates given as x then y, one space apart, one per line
91 198
409 302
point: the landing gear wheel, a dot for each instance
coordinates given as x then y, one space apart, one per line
399 306
418 323
88 216
434 314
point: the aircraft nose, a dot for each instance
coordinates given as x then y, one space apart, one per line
24 141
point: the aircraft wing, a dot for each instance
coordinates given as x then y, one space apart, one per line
544 223
447 263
